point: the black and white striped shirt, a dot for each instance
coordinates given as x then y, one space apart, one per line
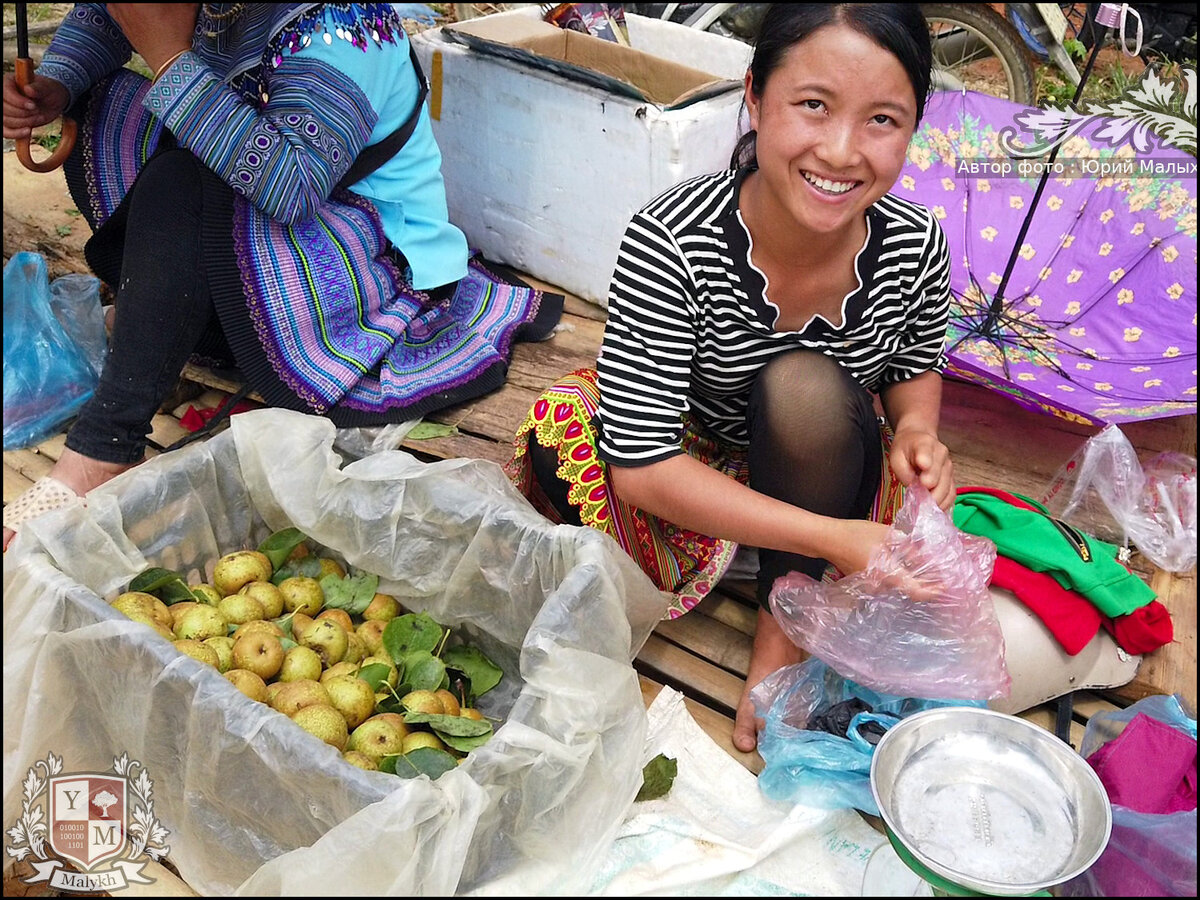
689 325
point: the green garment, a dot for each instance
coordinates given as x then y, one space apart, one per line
1040 542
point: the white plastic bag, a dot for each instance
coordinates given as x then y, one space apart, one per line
1106 491
253 804
917 622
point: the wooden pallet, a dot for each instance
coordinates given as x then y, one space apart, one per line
704 655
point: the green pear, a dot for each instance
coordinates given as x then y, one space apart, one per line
415 739
324 722
259 652
326 637
423 702
223 644
238 609
248 683
378 737
201 622
268 595
235 570
302 594
342 668
360 760
198 650
372 635
143 607
352 697
382 608
300 664
295 695
207 593
356 650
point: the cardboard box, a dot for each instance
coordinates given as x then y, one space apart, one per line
551 139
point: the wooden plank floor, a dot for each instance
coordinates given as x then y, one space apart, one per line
705 654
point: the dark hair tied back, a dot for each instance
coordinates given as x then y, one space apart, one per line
899 28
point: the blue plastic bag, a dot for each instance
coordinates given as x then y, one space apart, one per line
50 370
814 767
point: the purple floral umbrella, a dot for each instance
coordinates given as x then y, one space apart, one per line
1086 310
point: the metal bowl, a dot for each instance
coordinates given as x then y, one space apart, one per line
989 801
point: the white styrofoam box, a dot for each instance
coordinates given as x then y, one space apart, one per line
543 173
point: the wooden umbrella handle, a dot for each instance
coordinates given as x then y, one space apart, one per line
23 69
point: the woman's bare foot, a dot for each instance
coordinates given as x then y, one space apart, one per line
772 650
80 474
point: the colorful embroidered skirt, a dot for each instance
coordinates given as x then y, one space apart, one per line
318 315
681 562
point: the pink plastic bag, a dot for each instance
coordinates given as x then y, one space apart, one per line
917 622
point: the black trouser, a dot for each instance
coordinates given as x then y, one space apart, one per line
814 443
150 251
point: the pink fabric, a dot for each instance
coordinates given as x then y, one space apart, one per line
1149 768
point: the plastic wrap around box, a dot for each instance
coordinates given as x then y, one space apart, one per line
252 803
543 170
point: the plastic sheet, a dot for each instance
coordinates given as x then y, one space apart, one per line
1105 490
253 804
917 622
54 348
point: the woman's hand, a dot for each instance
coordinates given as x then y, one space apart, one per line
42 101
918 456
157 31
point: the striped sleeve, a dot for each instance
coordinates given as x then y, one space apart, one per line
86 47
649 341
924 340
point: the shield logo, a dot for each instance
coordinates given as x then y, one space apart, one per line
88 817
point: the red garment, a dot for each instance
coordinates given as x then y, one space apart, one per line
195 419
1149 767
1069 616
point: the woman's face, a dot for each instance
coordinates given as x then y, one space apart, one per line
833 123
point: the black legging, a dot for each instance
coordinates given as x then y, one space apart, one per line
814 443
151 252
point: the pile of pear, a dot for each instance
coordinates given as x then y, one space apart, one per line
312 676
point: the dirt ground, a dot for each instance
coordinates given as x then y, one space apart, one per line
40 217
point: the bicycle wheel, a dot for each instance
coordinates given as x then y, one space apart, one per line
976 48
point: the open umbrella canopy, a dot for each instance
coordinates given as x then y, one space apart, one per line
1096 321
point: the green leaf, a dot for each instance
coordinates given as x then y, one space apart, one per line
353 593
423 431
424 761
391 704
374 674
62 230
657 777
177 591
287 644
152 579
477 668
308 566
200 598
459 726
388 764
463 744
285 622
409 632
167 586
423 670
280 545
